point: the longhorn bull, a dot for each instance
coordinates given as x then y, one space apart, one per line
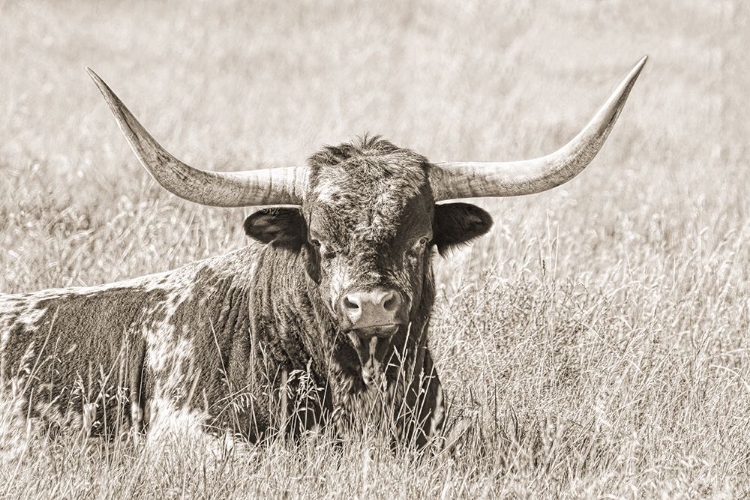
333 297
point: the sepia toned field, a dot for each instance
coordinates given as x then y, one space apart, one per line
598 338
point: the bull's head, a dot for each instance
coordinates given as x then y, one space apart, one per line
365 231
365 217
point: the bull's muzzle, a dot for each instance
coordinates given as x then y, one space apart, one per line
373 309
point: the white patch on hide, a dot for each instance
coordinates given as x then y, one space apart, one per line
438 413
168 420
327 190
161 336
24 307
340 281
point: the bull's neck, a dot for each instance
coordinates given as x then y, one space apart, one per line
290 306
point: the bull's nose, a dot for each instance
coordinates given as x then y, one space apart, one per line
372 308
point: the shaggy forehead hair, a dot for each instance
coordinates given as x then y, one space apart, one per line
366 185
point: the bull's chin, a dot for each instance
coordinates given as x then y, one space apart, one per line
373 379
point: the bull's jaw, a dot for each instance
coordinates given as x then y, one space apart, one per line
372 346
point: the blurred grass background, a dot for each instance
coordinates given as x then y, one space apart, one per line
232 86
608 318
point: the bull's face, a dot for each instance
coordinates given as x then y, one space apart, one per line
366 232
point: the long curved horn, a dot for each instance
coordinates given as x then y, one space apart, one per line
454 180
277 186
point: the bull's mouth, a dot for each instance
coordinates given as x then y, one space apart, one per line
382 331
372 344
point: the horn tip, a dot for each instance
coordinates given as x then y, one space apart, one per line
97 79
106 92
634 73
92 74
641 63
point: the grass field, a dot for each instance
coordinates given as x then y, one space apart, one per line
598 337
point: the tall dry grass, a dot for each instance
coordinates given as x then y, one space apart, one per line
598 338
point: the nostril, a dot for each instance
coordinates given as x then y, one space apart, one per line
349 304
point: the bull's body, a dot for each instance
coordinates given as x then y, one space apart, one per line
210 343
327 321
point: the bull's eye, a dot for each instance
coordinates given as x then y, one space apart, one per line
421 243
324 251
418 246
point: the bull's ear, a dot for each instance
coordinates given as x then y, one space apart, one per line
280 226
457 223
